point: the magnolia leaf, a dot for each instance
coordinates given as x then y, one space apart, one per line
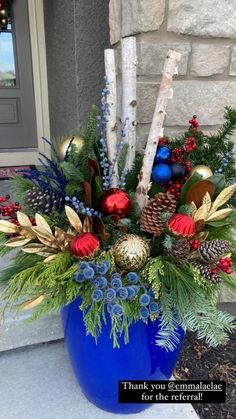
17 242
223 197
42 223
188 185
201 213
74 219
198 191
23 219
7 227
49 258
207 201
220 215
87 225
199 225
43 233
32 303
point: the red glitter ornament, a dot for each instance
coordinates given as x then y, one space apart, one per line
182 225
84 244
115 201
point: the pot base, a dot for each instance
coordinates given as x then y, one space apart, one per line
99 367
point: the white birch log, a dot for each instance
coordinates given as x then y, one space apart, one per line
129 100
156 130
110 71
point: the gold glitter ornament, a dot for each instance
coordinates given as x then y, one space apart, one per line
63 146
202 170
131 252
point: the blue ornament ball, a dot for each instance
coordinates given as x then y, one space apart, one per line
161 173
163 154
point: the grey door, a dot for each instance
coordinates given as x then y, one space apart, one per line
17 105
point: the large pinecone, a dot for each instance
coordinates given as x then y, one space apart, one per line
213 250
206 271
151 221
45 201
180 250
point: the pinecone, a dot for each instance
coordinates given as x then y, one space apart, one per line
213 250
206 272
180 250
151 220
45 201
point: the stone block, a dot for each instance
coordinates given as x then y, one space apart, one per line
208 60
115 20
209 18
142 16
151 57
232 71
206 99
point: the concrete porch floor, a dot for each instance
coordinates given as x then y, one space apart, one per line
37 382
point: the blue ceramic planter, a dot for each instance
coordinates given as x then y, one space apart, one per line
99 367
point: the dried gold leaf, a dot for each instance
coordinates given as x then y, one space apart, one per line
7 227
59 234
223 197
34 248
17 242
193 208
74 219
87 225
48 243
42 223
27 232
207 201
49 258
32 303
220 215
23 219
201 213
43 233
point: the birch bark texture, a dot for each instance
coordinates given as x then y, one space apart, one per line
110 72
129 99
156 130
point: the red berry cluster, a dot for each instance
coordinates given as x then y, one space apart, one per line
163 141
224 265
190 144
174 187
194 244
194 122
9 209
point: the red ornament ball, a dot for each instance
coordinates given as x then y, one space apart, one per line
182 225
84 245
115 202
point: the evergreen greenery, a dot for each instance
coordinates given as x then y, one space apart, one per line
185 298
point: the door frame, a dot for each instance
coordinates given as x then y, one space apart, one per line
39 68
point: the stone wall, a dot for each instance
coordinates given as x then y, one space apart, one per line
205 34
77 32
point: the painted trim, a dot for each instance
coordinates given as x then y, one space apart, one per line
39 68
39 65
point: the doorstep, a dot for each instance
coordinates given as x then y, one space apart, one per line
15 333
39 380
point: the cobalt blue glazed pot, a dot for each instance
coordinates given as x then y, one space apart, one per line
99 367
